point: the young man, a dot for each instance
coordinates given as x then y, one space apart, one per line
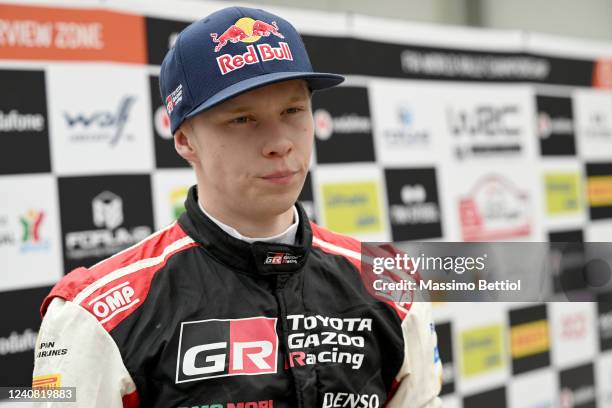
242 302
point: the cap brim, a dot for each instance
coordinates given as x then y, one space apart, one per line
316 81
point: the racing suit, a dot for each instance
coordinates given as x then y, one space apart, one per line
193 317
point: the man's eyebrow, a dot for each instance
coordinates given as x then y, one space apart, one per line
298 98
246 108
238 109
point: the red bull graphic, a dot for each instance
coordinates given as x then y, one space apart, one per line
248 30
265 29
233 34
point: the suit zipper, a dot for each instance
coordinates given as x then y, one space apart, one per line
281 280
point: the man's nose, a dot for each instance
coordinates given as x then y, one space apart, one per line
278 142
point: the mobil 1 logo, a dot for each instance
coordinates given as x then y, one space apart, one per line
226 347
24 130
343 126
103 215
165 154
414 206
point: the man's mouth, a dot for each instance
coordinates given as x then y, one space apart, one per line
280 177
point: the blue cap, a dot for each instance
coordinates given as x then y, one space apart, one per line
232 51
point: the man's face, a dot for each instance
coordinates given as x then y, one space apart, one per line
252 152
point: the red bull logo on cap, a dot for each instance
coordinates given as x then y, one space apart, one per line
248 30
245 30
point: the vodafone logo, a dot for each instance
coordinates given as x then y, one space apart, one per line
324 124
15 121
222 348
349 123
547 125
544 125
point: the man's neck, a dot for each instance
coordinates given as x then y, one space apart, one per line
250 226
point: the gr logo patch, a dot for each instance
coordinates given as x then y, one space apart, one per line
222 348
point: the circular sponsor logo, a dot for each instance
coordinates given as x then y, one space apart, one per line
324 124
162 123
544 125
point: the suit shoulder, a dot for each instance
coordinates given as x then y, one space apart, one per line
115 286
333 242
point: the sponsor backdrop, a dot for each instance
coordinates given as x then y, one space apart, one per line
445 134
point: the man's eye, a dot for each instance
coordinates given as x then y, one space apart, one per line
241 119
293 110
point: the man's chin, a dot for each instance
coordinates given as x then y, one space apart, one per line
276 205
275 199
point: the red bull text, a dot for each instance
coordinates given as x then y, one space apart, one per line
265 52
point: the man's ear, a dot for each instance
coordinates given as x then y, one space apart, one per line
183 142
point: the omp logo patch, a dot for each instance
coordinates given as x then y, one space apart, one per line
114 301
222 348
